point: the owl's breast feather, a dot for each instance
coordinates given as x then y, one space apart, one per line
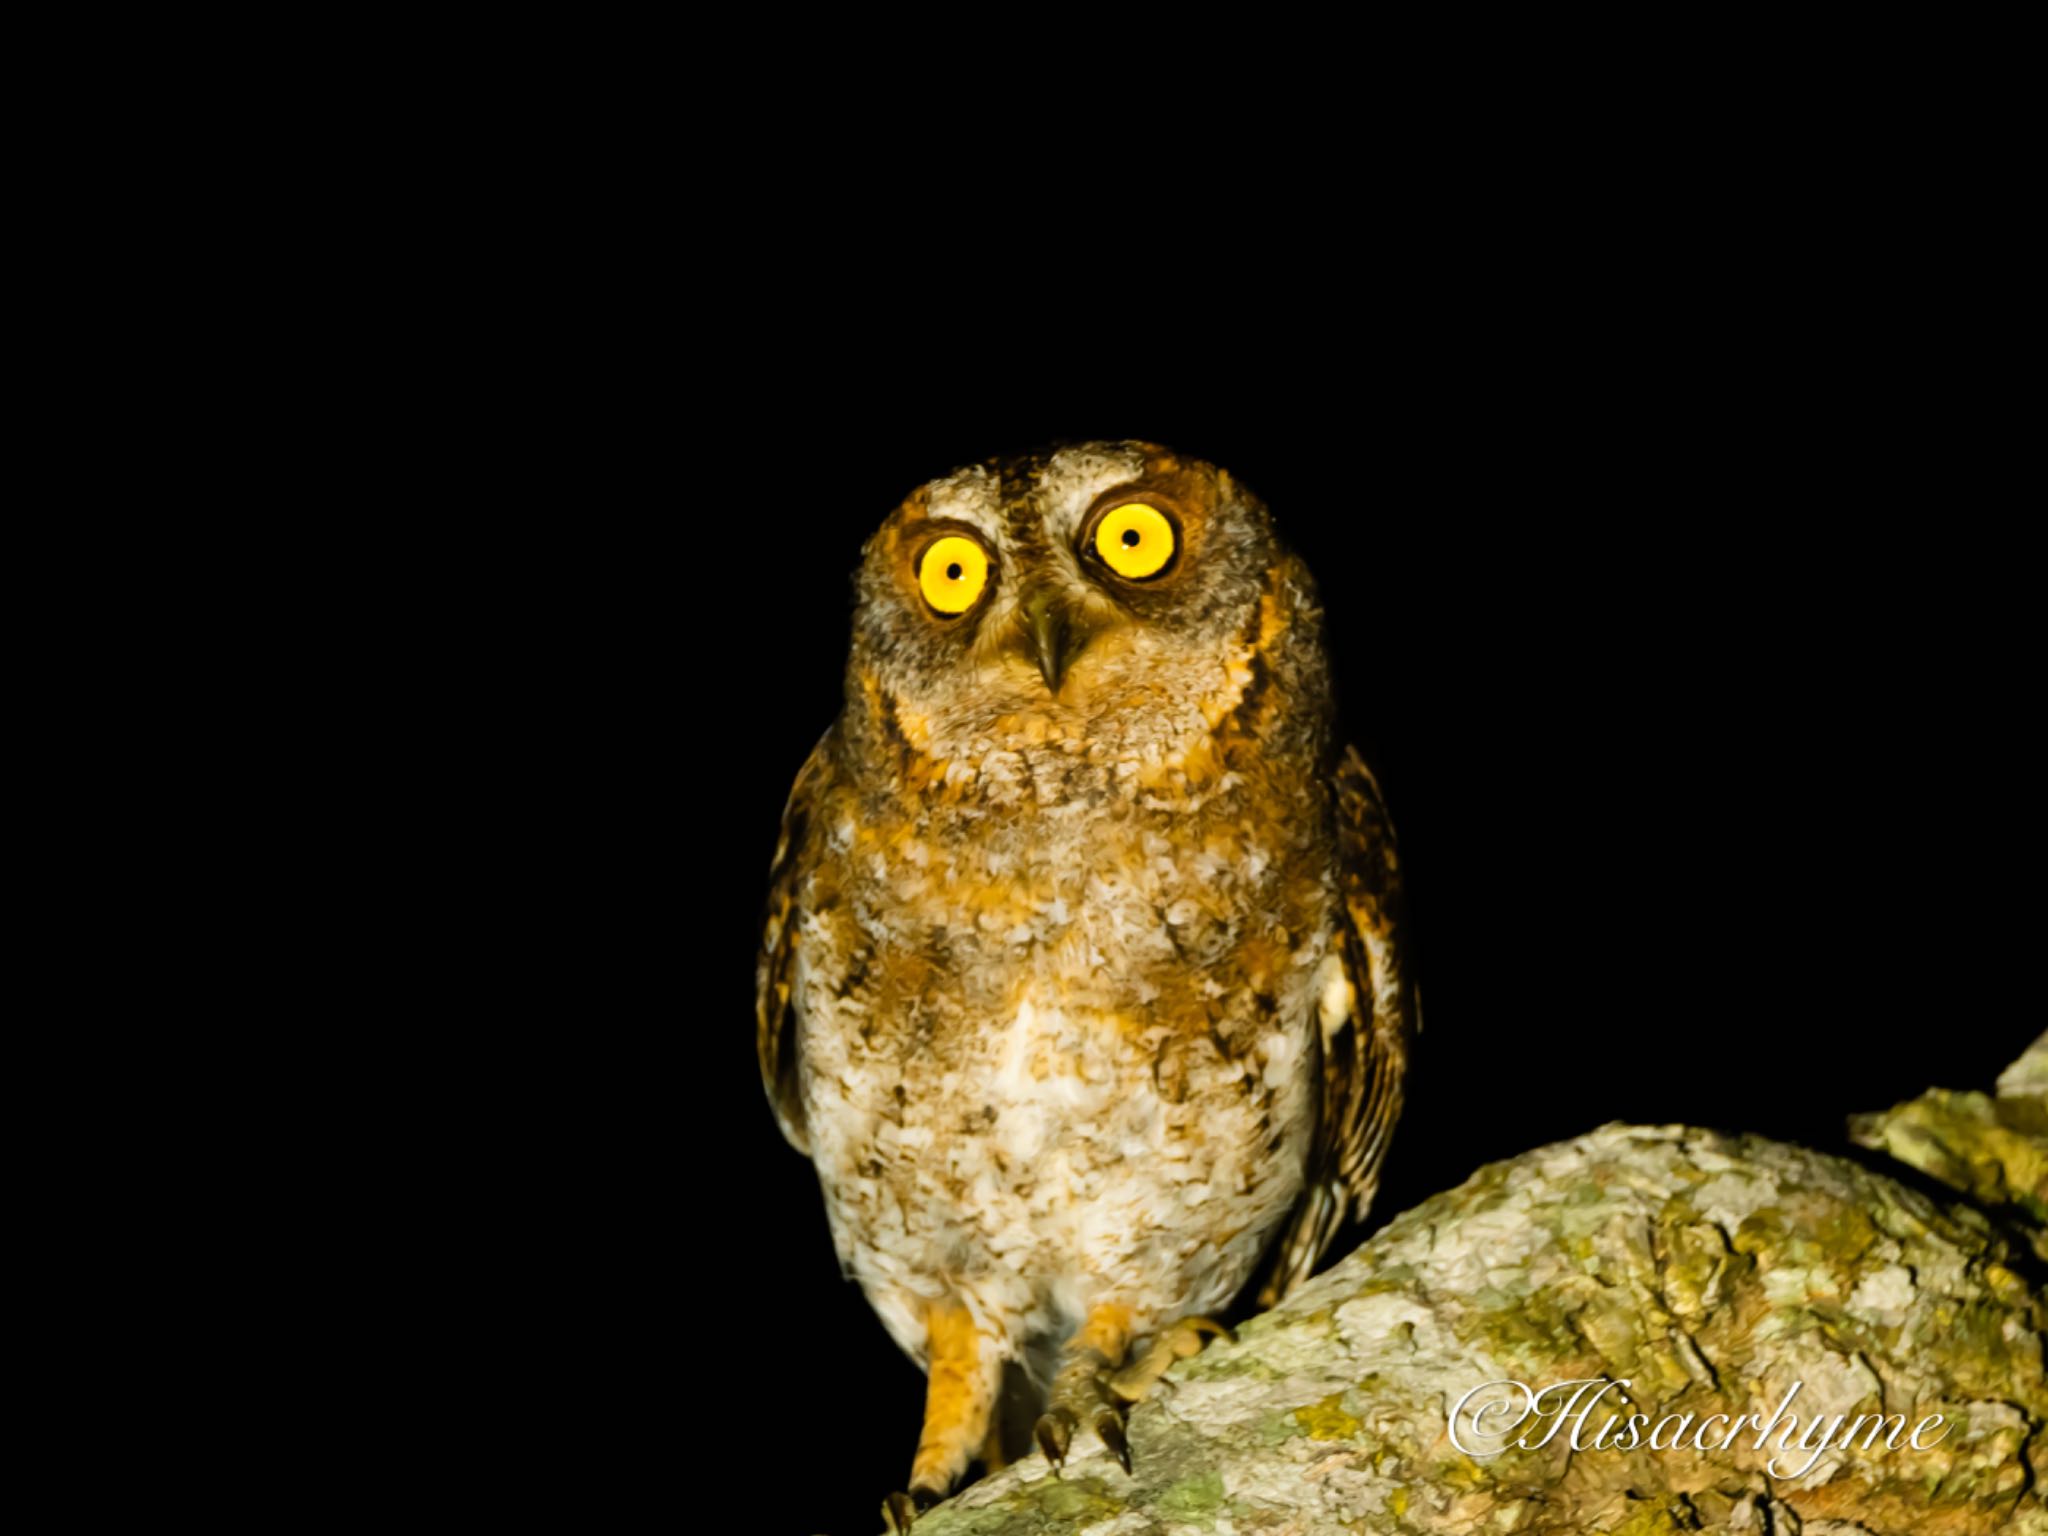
1059 1035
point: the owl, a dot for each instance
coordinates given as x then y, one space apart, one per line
1081 982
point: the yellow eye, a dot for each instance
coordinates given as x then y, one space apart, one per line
953 573
1135 540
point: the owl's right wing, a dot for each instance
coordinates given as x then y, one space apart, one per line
774 972
1368 1024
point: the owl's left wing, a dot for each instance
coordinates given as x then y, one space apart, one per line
1369 1016
775 1021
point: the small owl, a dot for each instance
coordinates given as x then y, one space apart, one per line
1081 983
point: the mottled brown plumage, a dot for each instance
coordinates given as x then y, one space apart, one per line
1081 983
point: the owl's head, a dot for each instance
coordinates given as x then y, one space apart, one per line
1093 593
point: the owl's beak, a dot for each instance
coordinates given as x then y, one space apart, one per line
1044 620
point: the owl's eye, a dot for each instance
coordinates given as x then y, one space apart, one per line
1135 540
953 573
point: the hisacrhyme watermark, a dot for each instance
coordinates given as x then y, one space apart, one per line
1480 1430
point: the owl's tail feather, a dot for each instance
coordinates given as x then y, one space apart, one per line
1317 1221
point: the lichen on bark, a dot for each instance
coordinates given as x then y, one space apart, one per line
1993 1148
1711 1272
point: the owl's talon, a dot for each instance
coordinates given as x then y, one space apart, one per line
1109 1424
900 1510
1054 1433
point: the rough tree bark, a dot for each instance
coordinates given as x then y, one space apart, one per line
1711 1272
1993 1149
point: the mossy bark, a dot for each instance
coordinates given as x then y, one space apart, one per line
1993 1148
1709 1272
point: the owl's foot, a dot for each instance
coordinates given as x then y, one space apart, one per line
1055 1432
900 1510
1180 1341
1081 1391
1088 1387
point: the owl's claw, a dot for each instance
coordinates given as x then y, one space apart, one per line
900 1510
1109 1424
1082 1395
1054 1433
1096 1381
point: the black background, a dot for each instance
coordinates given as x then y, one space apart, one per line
1697 689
